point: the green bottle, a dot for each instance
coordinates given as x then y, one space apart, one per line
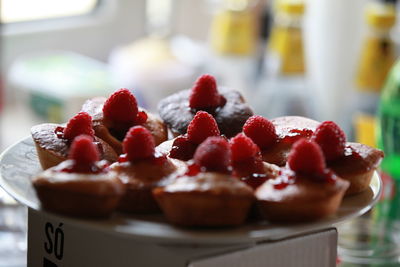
389 123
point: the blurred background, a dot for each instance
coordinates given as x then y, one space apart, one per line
324 59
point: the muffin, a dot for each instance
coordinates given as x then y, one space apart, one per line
305 190
80 186
353 162
141 170
276 137
53 141
112 118
207 194
247 162
183 147
228 107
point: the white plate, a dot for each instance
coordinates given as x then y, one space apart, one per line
19 163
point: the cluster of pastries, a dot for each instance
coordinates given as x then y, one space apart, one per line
206 161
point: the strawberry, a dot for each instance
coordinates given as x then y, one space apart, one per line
331 139
121 107
214 154
84 153
182 148
81 123
202 126
138 144
204 93
261 131
306 157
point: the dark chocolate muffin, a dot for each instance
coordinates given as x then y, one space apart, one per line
229 110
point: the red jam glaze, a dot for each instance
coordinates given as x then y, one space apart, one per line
351 161
141 117
193 170
59 132
122 158
101 167
255 180
159 160
250 171
182 148
295 134
287 177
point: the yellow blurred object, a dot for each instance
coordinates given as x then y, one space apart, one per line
287 38
293 7
234 32
289 45
377 57
149 52
378 52
365 129
381 16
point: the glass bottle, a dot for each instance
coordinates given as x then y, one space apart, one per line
233 44
283 89
377 57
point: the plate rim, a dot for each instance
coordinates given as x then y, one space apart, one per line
187 235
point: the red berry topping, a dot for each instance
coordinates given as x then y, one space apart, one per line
121 107
213 154
138 144
261 131
331 139
84 153
182 148
306 157
243 148
202 126
246 158
81 123
205 94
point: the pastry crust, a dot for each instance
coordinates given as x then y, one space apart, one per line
357 166
76 194
302 201
289 129
52 150
207 199
176 113
139 179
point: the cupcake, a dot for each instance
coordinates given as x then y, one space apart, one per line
305 190
112 118
353 162
80 186
53 141
140 169
207 194
183 147
227 107
276 137
247 162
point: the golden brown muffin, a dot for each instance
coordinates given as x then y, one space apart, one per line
52 148
80 186
112 131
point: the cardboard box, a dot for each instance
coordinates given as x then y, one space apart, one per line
56 242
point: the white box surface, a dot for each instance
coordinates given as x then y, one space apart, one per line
53 242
